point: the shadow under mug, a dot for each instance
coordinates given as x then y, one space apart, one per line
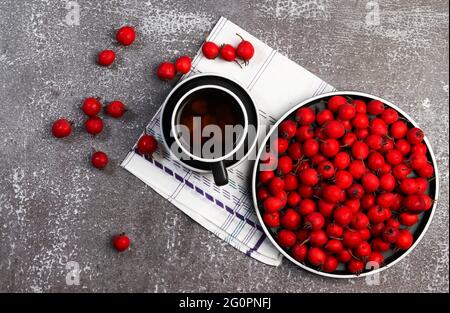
215 163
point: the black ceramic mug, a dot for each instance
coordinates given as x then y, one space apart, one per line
225 95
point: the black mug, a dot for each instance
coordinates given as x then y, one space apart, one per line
238 146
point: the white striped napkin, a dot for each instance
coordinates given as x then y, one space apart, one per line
276 83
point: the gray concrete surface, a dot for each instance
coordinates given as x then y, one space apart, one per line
54 208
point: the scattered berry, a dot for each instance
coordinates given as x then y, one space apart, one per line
99 159
126 35
147 144
183 64
166 71
121 242
61 128
116 109
94 125
106 57
91 106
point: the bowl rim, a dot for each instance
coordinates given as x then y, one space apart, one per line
262 147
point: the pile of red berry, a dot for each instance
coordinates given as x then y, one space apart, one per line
350 179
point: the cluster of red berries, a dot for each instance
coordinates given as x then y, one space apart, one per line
243 51
167 70
125 36
349 181
147 144
93 125
92 107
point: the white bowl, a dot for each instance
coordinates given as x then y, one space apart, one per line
418 230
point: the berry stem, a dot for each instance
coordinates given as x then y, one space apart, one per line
351 253
240 36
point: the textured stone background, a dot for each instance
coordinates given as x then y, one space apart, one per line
54 208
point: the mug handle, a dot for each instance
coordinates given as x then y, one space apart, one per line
220 173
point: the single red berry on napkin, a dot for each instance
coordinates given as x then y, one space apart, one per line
210 50
147 144
228 53
245 50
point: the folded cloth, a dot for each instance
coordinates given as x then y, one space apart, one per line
276 84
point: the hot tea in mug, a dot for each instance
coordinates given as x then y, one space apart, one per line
210 122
